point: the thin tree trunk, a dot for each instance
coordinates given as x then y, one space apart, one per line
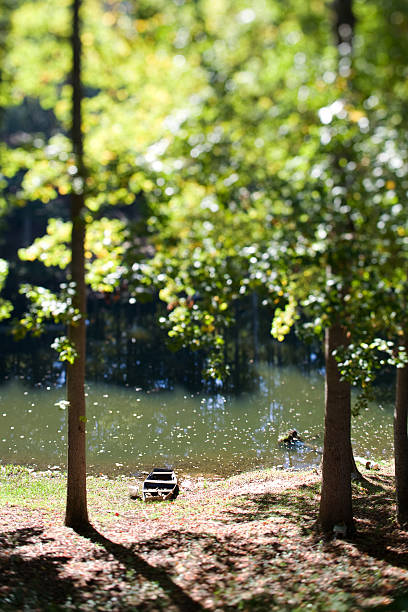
118 319
338 460
335 503
344 21
255 323
76 508
237 373
6 10
401 445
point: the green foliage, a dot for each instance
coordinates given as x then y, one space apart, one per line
66 351
129 67
52 249
46 305
284 319
360 364
266 159
290 166
6 309
191 288
5 305
104 248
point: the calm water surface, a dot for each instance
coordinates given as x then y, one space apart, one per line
129 430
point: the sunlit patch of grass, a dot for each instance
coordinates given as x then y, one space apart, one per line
107 498
22 486
264 474
47 490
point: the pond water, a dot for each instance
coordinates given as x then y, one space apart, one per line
130 430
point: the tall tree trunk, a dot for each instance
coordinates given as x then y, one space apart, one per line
6 10
237 373
335 503
401 445
76 508
338 461
344 21
255 325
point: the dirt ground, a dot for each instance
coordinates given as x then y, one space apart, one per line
245 544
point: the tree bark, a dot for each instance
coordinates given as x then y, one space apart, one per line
354 471
344 21
401 445
338 461
336 503
76 507
255 325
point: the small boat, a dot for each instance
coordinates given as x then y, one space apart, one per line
160 484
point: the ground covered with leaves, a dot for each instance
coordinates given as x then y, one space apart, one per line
248 543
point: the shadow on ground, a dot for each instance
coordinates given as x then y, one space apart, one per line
245 561
299 505
137 564
35 583
374 511
31 583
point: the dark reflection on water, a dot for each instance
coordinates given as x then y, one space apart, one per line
130 430
125 346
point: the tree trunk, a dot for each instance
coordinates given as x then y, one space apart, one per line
76 508
255 325
335 503
354 471
338 460
344 21
237 373
401 445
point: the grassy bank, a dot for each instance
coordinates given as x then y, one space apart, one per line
247 543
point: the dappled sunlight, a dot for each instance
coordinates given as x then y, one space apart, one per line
209 549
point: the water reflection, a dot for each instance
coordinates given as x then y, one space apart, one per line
125 346
130 430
